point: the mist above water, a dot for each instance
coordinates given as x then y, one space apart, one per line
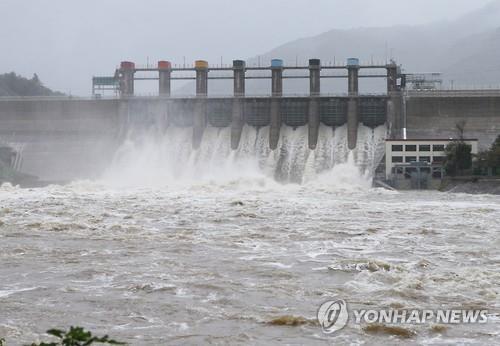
154 158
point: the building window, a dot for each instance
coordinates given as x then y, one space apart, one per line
409 159
397 147
410 148
424 147
424 159
397 159
438 159
438 147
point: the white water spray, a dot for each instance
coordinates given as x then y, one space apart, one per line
150 158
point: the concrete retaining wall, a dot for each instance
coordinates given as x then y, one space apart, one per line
61 139
436 117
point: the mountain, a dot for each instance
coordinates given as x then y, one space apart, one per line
466 51
474 61
13 85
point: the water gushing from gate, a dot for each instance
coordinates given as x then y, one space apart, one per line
155 157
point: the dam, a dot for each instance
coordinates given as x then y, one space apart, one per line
273 110
63 138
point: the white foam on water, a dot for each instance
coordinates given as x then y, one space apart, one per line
6 293
153 158
233 240
344 176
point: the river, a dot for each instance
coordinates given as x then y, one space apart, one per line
152 259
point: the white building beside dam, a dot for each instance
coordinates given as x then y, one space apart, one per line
418 163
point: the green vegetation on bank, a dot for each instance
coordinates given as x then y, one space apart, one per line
459 160
12 84
77 336
488 161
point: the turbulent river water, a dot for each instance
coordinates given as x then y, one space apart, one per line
175 246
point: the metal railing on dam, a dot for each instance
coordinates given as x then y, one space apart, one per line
407 93
453 93
49 98
174 96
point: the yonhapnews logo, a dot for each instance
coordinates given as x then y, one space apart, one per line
334 315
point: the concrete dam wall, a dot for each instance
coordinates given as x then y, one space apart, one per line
71 138
436 114
63 139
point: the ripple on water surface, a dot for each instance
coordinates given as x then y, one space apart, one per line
245 264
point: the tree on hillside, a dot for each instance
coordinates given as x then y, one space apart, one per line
35 79
13 85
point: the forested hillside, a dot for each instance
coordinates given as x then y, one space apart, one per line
13 85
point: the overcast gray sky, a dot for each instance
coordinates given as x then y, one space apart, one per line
67 41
